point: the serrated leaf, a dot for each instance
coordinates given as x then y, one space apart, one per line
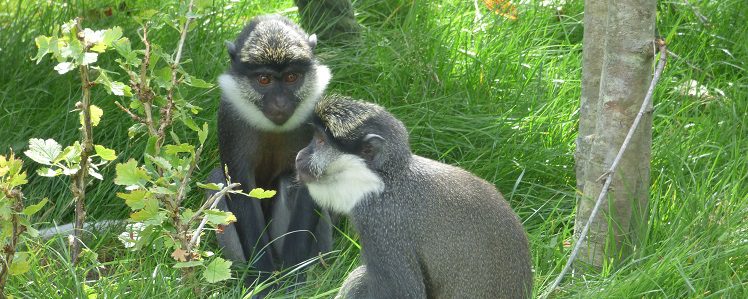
96 114
20 264
218 270
261 193
105 153
159 161
162 77
43 151
135 199
111 35
149 211
210 186
180 148
64 67
189 264
32 209
162 190
180 254
216 217
48 172
89 58
130 174
43 46
203 134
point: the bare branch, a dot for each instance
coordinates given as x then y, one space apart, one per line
132 115
609 174
213 200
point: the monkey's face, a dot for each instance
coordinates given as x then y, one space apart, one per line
274 80
277 90
337 172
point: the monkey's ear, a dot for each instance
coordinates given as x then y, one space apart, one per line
231 49
312 40
371 148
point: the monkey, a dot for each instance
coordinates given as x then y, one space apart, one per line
427 229
268 94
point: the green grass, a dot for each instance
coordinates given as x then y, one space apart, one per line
498 98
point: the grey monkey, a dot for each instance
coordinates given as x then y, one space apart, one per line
427 229
269 92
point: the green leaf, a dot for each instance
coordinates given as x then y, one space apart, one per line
105 153
159 161
111 35
96 114
32 209
261 193
150 146
189 122
216 216
20 264
162 77
43 151
199 83
210 186
130 174
135 199
203 134
189 264
162 190
180 148
43 44
149 211
135 129
218 270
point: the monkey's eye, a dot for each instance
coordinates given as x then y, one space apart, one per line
290 77
264 79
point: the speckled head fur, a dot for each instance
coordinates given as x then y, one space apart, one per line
273 39
341 115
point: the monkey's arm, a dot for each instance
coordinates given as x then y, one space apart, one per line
392 266
354 285
308 233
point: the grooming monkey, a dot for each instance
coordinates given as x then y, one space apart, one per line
427 229
269 92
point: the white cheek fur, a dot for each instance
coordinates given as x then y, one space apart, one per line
242 100
344 183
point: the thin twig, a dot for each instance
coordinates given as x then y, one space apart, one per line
211 202
609 174
166 111
214 202
132 115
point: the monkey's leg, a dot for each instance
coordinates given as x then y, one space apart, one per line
246 240
308 235
354 285
229 238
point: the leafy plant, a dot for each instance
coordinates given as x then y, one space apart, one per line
75 47
14 218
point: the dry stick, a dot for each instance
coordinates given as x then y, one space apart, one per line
608 175
80 178
213 200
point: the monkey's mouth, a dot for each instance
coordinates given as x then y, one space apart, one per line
277 117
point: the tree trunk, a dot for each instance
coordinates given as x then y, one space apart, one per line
332 20
624 76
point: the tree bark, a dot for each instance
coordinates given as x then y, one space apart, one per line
623 81
332 20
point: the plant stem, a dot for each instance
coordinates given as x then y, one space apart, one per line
10 249
80 178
